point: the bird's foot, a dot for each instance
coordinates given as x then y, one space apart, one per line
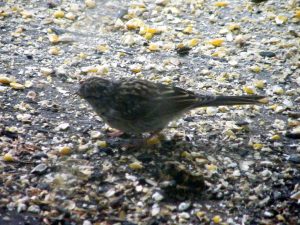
115 133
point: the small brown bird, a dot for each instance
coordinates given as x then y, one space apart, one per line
138 106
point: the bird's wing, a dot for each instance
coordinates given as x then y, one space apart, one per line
148 99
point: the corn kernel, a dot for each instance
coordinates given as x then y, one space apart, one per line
90 4
275 137
65 150
234 26
59 14
53 38
8 157
281 19
193 42
255 69
136 166
17 86
188 30
54 50
5 80
153 141
297 14
216 42
278 90
221 4
134 24
211 167
280 217
153 47
3 13
259 84
273 107
136 68
148 36
200 214
152 30
257 146
185 154
264 100
82 55
249 90
217 219
70 16
102 48
102 144
26 14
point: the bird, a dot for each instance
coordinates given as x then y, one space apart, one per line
137 106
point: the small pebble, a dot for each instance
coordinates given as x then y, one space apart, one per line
184 206
267 54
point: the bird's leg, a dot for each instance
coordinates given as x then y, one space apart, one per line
115 133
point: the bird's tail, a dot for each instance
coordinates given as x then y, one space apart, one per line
237 100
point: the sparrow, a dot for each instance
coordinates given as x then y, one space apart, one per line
138 106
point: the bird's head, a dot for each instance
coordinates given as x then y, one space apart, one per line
94 87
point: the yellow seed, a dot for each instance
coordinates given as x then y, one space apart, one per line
281 19
259 84
193 42
143 29
136 165
234 26
249 90
275 137
278 90
255 69
273 107
102 144
134 23
185 154
136 69
217 219
280 217
70 16
148 36
26 14
216 42
5 80
221 4
102 48
200 214
257 146
8 157
17 86
188 30
59 14
90 4
82 55
65 150
90 69
152 30
53 38
211 167
297 14
54 50
153 47
153 141
3 13
264 100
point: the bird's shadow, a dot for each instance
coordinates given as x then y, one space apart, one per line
175 174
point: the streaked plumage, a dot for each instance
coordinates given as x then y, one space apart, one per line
138 106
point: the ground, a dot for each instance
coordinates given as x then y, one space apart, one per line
223 165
